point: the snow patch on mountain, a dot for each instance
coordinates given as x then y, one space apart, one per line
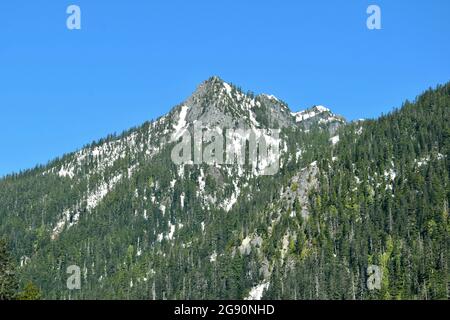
307 114
213 257
256 293
97 195
182 196
426 159
67 171
70 217
172 228
229 203
228 88
180 127
334 140
359 131
271 97
162 208
61 224
390 174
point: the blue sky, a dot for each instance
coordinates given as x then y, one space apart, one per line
133 60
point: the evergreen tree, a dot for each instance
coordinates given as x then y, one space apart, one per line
8 281
30 292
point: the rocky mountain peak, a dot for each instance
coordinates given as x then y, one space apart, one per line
318 115
216 103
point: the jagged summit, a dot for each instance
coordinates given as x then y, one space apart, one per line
318 114
310 113
218 103
213 87
213 84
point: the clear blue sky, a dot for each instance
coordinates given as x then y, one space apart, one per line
133 60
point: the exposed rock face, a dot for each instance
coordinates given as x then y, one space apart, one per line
278 113
319 115
300 186
216 103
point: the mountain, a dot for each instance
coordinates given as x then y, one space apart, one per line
345 196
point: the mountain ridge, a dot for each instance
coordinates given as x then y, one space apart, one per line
140 226
217 85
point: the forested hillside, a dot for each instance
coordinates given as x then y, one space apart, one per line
346 196
383 199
